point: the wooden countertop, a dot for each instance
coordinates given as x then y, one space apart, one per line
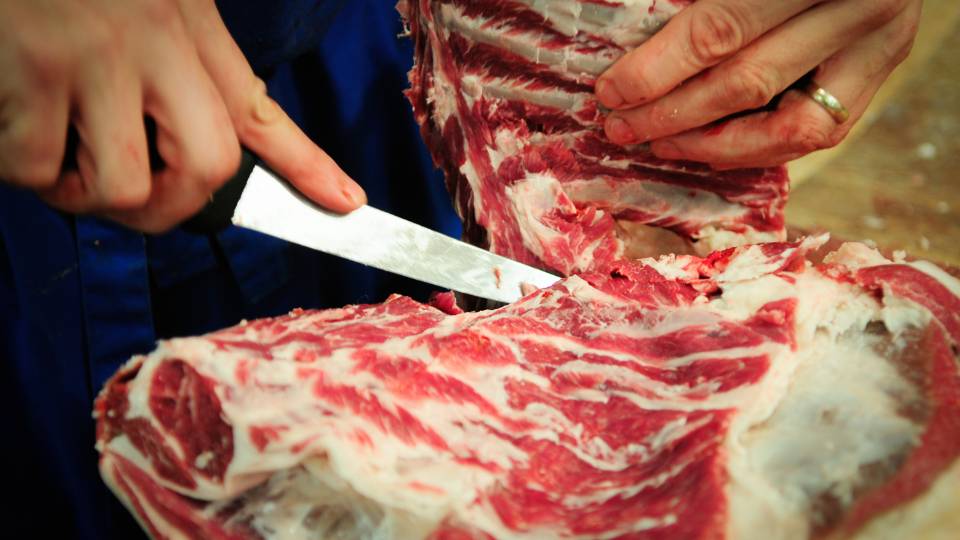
896 180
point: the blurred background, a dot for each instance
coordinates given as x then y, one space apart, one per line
895 180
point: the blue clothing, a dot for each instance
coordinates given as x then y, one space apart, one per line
79 296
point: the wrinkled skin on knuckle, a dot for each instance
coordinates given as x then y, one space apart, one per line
715 33
636 81
811 135
747 86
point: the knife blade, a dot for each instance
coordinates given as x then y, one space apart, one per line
258 199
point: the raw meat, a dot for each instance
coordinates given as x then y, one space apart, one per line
682 397
503 90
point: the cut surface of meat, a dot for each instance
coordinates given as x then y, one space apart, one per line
747 389
679 397
503 91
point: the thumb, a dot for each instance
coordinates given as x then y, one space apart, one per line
260 123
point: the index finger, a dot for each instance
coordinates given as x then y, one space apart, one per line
697 38
262 125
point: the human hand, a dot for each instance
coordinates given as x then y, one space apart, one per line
718 58
103 66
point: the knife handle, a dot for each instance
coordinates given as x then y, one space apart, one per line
217 214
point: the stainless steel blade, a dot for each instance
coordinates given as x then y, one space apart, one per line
376 238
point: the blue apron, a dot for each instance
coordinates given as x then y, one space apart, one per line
79 296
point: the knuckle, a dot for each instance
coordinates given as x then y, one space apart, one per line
903 35
31 175
30 161
43 62
748 86
715 33
211 173
838 135
883 11
637 81
902 53
263 109
69 194
811 135
102 40
132 195
161 13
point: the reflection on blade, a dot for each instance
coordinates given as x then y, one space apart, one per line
376 238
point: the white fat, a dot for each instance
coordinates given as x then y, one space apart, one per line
528 44
807 428
310 502
139 504
628 23
855 255
511 90
669 202
834 408
752 263
442 98
599 34
506 144
711 238
531 199
110 478
473 179
838 415
673 266
900 315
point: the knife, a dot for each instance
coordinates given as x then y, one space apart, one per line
256 198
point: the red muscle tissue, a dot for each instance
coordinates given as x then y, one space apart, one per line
683 397
744 392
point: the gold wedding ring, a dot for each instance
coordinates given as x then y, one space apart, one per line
828 101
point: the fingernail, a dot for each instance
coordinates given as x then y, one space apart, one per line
353 192
619 130
665 150
607 94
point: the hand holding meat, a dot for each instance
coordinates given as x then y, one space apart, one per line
105 66
719 58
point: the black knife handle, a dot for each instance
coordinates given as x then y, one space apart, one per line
217 214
